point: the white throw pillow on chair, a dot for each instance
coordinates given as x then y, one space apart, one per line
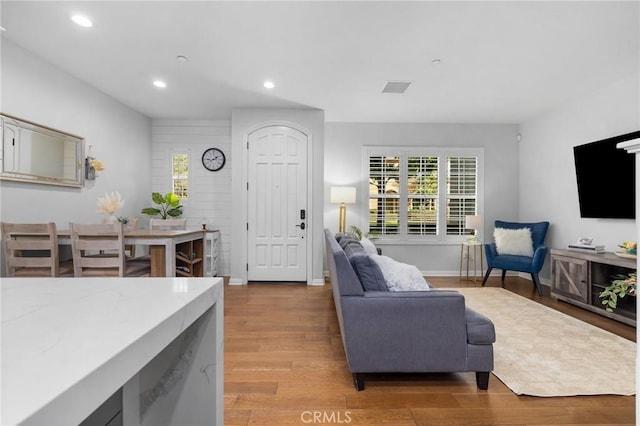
513 241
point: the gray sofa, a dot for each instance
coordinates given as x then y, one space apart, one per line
408 331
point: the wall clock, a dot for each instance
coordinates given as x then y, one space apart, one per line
213 159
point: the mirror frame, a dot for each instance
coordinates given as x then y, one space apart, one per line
25 176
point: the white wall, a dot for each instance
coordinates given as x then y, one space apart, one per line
548 187
343 166
121 137
209 192
243 122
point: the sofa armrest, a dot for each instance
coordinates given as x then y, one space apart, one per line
405 331
490 252
538 258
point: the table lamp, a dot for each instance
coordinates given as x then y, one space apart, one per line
473 222
343 195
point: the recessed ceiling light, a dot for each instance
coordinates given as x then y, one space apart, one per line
269 84
181 58
159 83
82 20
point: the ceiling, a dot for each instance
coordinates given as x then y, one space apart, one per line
500 62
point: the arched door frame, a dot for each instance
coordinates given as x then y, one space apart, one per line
245 200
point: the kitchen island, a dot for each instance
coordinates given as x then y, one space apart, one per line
70 344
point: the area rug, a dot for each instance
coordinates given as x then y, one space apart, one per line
543 352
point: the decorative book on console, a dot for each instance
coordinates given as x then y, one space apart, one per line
589 248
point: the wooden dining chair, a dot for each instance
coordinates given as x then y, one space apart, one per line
168 224
31 250
98 250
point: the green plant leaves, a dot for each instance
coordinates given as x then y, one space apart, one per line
169 205
151 211
157 198
172 199
618 289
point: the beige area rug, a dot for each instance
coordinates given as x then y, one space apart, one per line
543 352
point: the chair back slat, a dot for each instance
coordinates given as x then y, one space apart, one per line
31 262
30 249
30 243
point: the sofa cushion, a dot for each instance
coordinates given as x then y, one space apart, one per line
480 329
513 241
340 235
369 273
351 246
346 239
367 270
400 276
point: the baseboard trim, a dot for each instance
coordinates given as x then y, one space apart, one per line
236 281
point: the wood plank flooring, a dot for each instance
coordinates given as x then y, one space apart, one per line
285 365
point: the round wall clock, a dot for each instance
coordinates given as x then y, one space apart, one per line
213 159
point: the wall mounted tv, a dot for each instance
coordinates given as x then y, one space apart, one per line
606 178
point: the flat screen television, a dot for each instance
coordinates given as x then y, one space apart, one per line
606 178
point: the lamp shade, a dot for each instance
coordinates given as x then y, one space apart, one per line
473 222
343 194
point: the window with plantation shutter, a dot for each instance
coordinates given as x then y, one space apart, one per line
384 194
422 193
180 175
462 192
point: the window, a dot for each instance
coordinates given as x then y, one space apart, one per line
422 193
180 175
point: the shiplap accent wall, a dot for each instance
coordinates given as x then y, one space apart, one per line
209 192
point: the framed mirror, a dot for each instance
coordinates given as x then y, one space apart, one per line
39 154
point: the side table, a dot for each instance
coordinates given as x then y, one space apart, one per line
477 247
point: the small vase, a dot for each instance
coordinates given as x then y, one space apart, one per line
110 219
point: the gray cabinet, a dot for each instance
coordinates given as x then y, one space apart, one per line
578 278
569 277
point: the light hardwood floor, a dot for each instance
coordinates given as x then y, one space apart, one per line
285 365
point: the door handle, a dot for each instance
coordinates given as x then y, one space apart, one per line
301 226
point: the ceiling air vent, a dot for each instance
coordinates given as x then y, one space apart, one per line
396 86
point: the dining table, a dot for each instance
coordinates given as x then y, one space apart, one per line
162 247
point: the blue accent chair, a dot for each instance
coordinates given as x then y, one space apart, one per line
506 262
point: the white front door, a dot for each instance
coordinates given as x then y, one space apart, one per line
277 205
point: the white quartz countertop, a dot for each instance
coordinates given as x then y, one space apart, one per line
70 343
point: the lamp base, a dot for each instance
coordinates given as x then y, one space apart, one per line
342 222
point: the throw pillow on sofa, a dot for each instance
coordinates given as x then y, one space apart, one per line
371 277
400 276
366 269
516 242
368 246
